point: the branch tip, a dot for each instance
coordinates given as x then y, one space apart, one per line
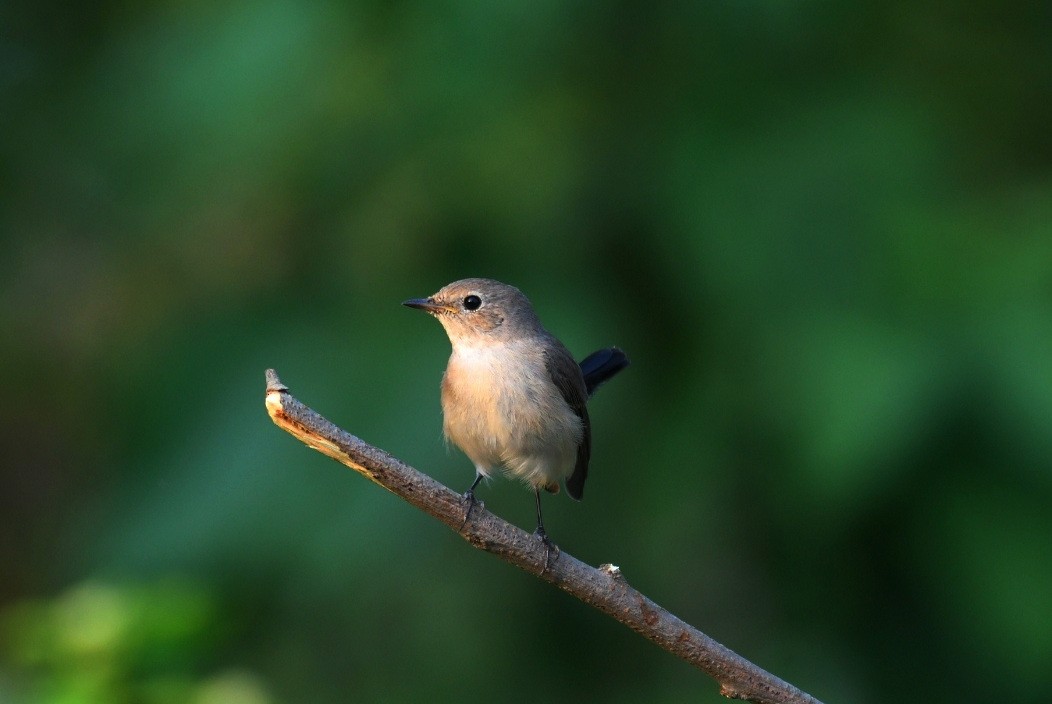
273 382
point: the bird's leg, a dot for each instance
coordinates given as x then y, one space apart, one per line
469 496
540 533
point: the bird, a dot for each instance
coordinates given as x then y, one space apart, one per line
513 398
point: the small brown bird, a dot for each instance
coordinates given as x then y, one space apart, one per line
512 395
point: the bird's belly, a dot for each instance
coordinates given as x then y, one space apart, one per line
510 416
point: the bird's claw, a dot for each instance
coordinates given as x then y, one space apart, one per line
549 547
469 497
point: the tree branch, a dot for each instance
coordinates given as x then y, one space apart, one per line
604 588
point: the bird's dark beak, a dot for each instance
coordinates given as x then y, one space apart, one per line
426 304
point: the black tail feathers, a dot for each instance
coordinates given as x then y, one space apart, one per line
601 366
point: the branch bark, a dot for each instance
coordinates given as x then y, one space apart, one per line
605 587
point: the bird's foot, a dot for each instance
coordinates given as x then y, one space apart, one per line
469 498
549 547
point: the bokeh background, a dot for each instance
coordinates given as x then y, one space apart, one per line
822 231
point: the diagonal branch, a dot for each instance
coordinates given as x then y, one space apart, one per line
604 588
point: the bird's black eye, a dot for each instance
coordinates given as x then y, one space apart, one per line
472 302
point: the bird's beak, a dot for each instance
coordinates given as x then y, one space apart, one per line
428 305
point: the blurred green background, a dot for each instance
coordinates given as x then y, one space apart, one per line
822 231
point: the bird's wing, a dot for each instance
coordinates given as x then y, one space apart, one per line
566 375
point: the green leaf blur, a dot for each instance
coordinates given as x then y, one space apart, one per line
821 231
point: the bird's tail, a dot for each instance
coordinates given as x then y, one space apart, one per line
599 367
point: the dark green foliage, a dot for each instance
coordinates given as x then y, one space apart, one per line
822 233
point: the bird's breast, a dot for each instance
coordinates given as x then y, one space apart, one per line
501 407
